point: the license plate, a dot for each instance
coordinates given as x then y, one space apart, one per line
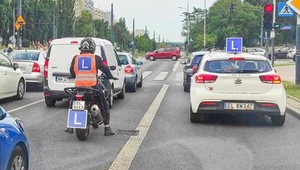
23 68
64 80
78 105
77 119
239 106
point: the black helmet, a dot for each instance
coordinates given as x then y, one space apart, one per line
87 45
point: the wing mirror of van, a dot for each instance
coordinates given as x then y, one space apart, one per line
16 66
112 67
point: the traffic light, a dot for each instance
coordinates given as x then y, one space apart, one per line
268 17
21 32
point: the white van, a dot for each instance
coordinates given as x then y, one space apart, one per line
58 61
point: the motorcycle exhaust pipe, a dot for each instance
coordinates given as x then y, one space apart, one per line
96 113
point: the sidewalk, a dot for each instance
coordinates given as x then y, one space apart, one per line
287 73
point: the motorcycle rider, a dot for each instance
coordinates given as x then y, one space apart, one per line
84 69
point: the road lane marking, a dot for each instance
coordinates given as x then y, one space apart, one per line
27 105
161 76
125 157
146 73
179 76
176 66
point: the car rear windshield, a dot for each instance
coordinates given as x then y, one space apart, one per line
197 59
123 59
34 56
241 66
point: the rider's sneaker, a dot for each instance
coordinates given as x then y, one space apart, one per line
69 130
108 131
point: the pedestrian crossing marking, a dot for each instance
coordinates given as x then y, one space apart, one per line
179 76
176 66
146 73
161 76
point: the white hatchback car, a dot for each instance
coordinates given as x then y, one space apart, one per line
235 84
12 80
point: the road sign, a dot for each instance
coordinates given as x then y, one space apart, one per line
234 45
284 10
295 5
20 21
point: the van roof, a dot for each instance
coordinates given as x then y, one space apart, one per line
68 40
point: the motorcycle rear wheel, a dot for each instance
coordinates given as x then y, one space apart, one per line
83 134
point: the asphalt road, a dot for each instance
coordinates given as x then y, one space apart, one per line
170 141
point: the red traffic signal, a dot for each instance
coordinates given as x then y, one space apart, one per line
268 8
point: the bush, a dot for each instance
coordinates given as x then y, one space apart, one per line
26 43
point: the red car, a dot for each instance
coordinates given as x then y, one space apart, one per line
164 53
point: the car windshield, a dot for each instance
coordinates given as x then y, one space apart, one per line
123 59
24 56
241 66
197 59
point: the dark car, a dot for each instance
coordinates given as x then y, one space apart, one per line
191 67
281 53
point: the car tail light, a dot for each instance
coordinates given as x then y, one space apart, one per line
236 58
195 68
205 78
269 105
74 42
78 97
271 79
46 68
128 69
36 68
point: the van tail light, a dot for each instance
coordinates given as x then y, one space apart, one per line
269 105
46 68
36 68
205 78
128 69
195 68
74 42
78 97
270 79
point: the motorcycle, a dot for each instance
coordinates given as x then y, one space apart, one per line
83 110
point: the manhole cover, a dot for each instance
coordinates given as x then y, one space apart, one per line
129 132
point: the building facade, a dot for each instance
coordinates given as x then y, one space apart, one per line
81 5
98 13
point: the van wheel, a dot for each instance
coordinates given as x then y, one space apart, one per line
122 94
278 120
20 90
50 102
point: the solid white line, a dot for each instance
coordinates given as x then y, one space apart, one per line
27 105
128 152
161 76
146 73
176 66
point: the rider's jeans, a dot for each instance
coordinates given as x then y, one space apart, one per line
102 100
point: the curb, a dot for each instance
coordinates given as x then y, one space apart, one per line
292 112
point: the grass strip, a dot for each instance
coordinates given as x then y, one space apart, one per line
292 89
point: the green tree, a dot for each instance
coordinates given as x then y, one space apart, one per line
84 25
66 17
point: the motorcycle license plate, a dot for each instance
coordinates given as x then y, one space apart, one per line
77 119
78 105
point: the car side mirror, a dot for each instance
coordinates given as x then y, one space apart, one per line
16 66
139 63
112 67
183 62
3 113
156 51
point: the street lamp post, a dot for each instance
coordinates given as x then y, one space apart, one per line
188 22
204 34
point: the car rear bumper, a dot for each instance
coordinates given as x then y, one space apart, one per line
53 94
129 79
34 78
275 96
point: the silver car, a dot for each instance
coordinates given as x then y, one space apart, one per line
133 71
31 62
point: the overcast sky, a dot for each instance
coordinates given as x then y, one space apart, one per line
161 16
